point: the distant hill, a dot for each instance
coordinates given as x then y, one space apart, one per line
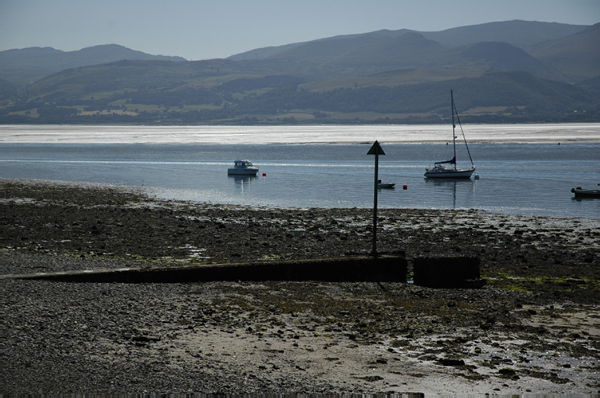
266 52
169 93
503 56
521 34
25 66
505 72
499 45
376 53
363 55
575 55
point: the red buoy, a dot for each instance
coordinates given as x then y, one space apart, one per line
264 174
404 186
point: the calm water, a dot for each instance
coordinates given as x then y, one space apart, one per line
523 178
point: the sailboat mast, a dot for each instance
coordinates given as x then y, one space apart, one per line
453 126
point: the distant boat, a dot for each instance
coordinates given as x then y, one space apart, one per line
440 170
586 193
242 167
385 185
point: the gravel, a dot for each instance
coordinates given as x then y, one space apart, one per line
533 328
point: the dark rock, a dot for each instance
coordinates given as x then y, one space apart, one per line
451 362
507 372
371 378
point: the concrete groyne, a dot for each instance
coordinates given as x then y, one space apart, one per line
345 269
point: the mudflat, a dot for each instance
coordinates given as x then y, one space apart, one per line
532 329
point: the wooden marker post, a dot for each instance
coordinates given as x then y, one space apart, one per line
375 150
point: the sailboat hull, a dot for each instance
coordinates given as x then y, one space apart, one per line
448 173
441 171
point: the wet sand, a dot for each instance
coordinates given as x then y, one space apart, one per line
532 329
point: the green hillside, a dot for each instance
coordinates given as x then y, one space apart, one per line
219 93
102 81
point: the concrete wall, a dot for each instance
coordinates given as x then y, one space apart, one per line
351 269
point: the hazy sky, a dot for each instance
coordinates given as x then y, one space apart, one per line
204 29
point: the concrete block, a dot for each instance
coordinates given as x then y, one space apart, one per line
447 272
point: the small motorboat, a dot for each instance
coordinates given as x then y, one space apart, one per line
586 193
242 167
385 185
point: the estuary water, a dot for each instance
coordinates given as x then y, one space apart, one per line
524 170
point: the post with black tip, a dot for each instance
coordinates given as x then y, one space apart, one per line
375 150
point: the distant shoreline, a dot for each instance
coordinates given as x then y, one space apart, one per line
305 135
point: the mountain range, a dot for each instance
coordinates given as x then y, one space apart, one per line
514 71
24 66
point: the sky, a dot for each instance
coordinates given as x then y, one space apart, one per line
207 29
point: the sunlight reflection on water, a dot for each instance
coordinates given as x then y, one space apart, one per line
261 135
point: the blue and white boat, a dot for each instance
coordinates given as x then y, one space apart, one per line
242 167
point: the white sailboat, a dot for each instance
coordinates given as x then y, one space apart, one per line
448 168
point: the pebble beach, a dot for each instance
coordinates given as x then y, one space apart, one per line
533 329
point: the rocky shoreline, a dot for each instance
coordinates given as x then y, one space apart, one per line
532 329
